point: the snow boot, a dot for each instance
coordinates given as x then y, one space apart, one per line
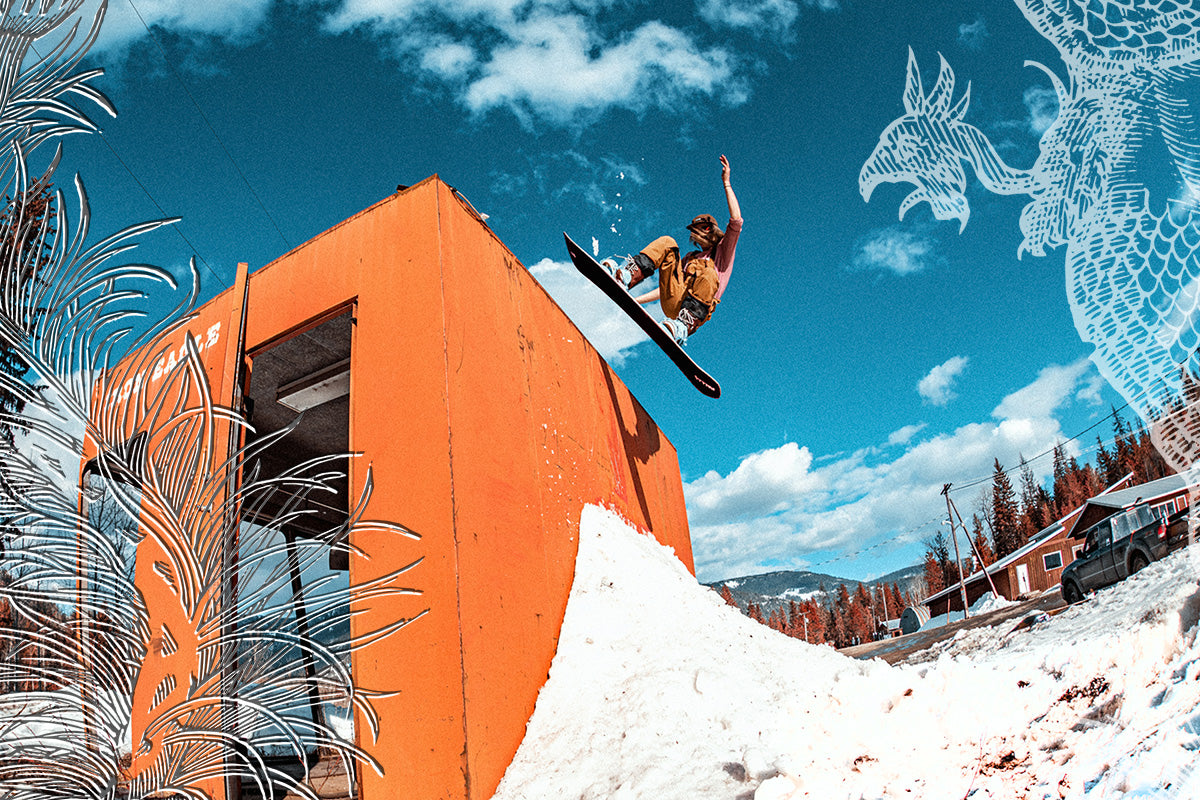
628 271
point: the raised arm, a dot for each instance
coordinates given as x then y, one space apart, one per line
735 211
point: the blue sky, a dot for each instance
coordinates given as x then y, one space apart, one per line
865 361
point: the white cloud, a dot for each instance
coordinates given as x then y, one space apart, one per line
904 435
226 19
899 250
758 16
776 508
560 62
1043 108
758 486
1054 386
558 68
609 330
972 35
937 388
543 59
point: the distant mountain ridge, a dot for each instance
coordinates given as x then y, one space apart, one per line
772 590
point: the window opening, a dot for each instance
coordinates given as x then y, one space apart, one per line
302 382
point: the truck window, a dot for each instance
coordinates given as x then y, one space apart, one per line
1140 517
1104 535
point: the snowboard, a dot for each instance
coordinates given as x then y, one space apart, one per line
624 300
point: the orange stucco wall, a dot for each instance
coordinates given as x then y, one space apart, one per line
139 380
488 422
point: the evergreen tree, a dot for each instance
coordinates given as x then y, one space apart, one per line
815 617
1123 444
1005 529
1106 464
795 622
1061 470
727 596
979 538
937 565
27 227
858 622
1029 496
1150 463
898 602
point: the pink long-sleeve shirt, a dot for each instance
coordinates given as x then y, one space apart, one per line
722 255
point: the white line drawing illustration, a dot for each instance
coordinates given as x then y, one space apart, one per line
240 677
1116 183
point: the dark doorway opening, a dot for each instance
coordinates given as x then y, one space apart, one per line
301 383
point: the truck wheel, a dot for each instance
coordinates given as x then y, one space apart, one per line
1137 563
1071 593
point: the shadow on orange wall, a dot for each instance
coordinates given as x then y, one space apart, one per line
489 422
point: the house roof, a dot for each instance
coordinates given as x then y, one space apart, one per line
1105 505
1035 541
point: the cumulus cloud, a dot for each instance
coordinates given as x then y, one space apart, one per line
561 63
972 35
904 435
557 68
774 17
895 249
779 507
756 488
937 388
1054 386
610 331
558 63
1042 104
226 19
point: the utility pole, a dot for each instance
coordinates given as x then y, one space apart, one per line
974 549
883 591
962 581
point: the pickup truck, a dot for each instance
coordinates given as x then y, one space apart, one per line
1120 545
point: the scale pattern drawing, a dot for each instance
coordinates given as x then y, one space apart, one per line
1116 183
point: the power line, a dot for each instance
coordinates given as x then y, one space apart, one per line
979 481
209 125
161 211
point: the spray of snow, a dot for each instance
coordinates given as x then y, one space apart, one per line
661 690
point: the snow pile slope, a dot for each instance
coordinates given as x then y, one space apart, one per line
987 602
659 690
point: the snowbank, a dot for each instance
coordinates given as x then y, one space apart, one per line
987 602
660 690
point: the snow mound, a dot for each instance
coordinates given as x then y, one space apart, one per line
987 602
660 690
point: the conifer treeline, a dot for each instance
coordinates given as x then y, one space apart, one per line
1013 516
1007 519
844 619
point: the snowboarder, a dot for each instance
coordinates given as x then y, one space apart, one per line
688 288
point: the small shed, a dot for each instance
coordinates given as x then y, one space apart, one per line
913 618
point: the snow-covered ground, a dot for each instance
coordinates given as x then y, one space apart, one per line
660 690
988 602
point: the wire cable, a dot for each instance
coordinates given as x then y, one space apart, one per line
209 125
221 281
980 481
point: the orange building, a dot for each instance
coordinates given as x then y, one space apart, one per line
410 334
